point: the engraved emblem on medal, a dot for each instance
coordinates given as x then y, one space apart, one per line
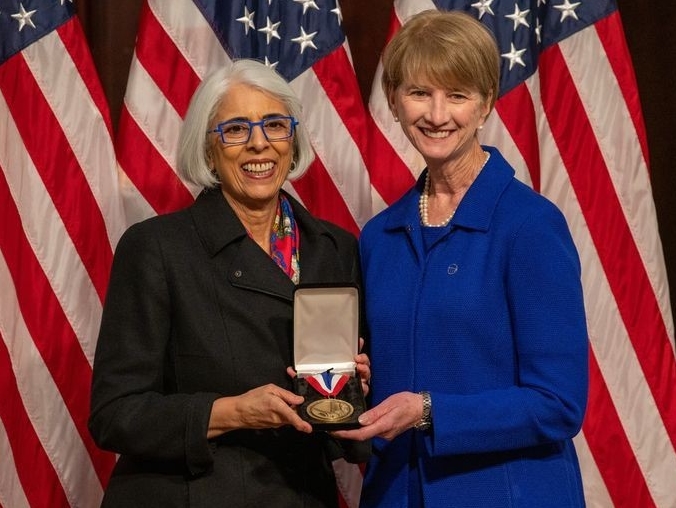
330 410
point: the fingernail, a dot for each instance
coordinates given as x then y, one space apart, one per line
363 420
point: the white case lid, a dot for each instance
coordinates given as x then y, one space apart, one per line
325 329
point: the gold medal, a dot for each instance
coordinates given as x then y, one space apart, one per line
330 410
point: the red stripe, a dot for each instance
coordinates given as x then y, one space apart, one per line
56 163
395 25
389 174
612 237
337 77
158 54
39 480
322 199
611 34
610 448
147 169
48 326
74 41
517 112
339 82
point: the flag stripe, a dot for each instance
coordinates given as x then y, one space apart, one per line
151 174
165 64
59 258
341 172
629 487
40 484
595 491
86 123
616 357
317 191
337 108
517 111
75 44
399 179
185 25
50 331
54 159
627 164
61 214
604 218
583 160
388 146
610 32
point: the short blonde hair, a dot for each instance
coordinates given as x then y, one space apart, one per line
193 163
450 48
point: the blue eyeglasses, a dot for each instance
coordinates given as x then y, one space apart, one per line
238 132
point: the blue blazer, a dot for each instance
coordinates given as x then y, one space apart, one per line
490 319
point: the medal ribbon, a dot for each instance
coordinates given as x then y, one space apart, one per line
328 384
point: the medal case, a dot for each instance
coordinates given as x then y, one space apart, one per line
326 338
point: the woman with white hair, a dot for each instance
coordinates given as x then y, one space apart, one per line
192 384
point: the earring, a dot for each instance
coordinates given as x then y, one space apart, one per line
293 167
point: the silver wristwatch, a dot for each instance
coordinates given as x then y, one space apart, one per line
426 420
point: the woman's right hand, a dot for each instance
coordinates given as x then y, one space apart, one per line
265 407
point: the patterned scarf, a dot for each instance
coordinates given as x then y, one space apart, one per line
284 240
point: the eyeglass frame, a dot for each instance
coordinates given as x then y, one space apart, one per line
219 129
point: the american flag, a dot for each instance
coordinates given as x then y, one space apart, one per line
568 118
60 216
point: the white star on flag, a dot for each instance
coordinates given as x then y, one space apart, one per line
247 20
484 6
307 4
567 9
519 17
305 40
24 17
270 30
514 57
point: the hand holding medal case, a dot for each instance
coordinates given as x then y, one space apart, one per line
326 340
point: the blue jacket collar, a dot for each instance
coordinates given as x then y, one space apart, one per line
477 206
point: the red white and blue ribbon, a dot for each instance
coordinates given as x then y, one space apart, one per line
328 384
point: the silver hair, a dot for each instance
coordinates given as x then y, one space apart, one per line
193 162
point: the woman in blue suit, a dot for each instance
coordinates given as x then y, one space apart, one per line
473 299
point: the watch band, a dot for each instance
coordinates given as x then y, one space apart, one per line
426 419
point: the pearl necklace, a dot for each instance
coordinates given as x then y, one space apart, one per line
424 196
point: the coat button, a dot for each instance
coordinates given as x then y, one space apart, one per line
238 273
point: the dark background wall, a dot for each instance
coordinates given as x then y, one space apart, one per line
111 29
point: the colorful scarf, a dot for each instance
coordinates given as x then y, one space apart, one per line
284 240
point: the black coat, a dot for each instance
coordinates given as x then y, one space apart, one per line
195 311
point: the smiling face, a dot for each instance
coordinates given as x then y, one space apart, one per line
441 123
251 174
